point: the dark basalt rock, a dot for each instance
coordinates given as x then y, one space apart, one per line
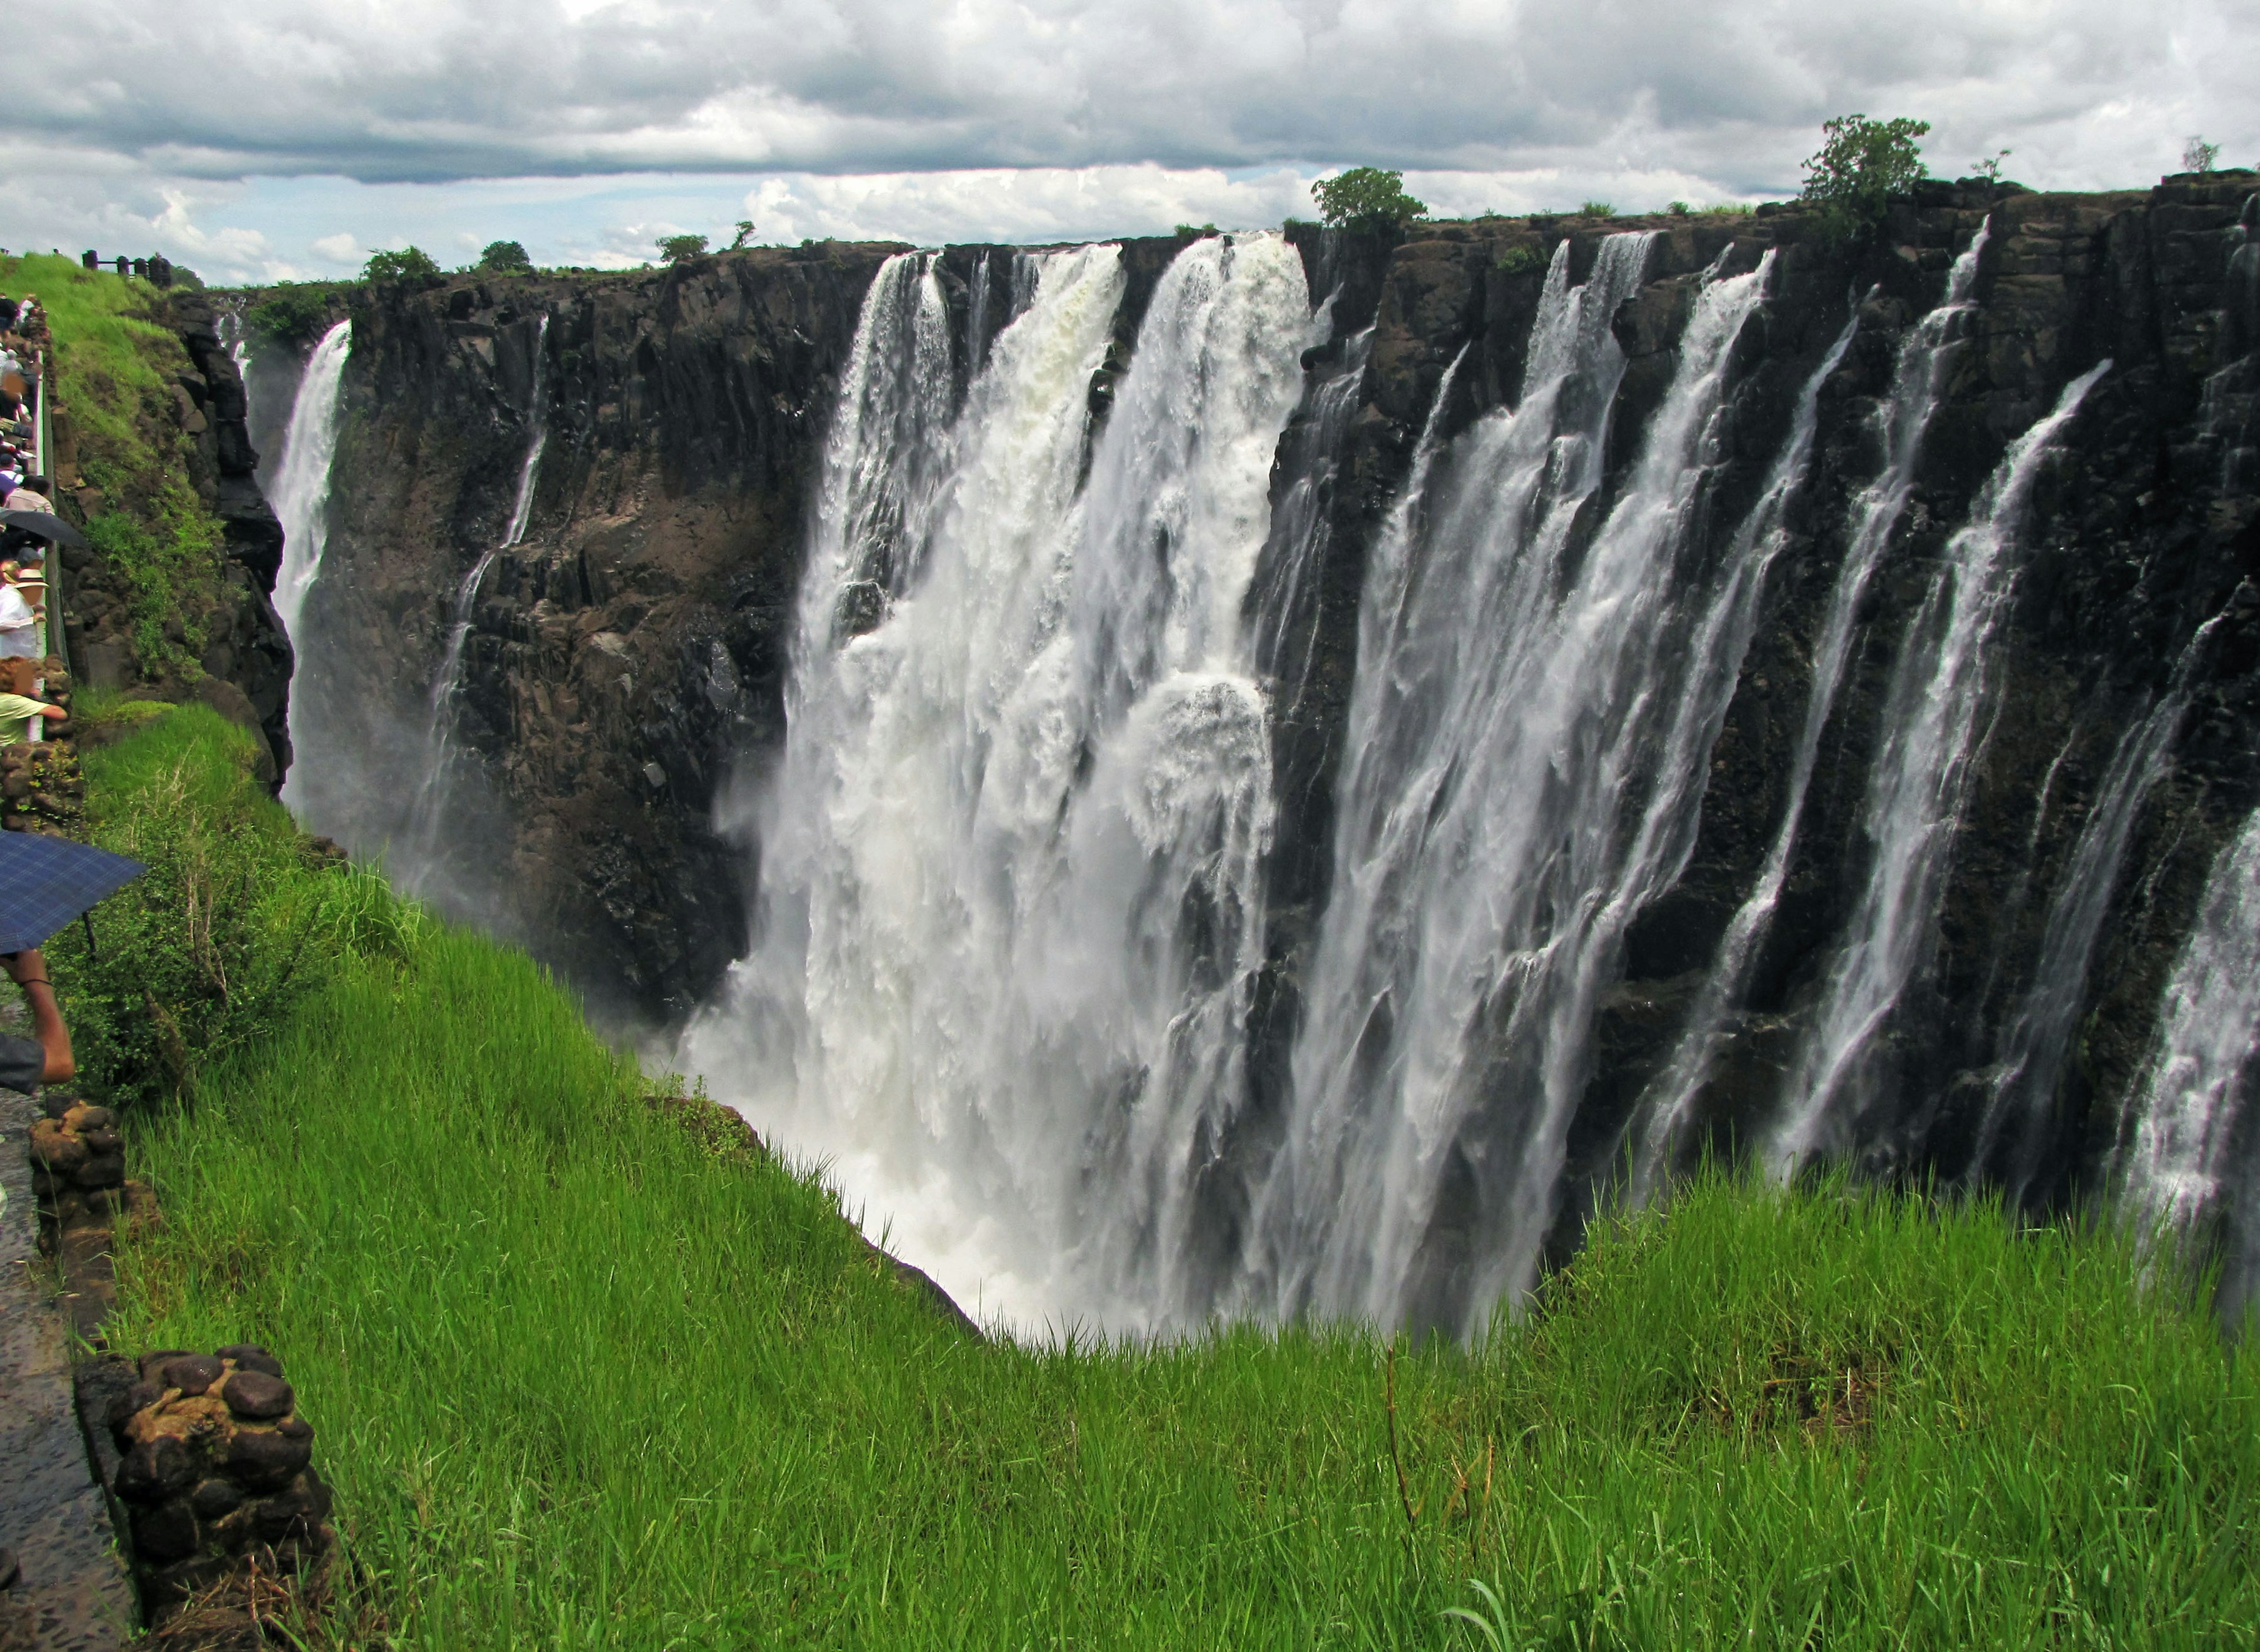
258 1396
266 1458
643 625
193 1374
250 1356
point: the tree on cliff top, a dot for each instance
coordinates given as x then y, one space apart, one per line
505 258
410 263
1366 198
1861 165
681 249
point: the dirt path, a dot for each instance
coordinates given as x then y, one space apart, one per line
72 1595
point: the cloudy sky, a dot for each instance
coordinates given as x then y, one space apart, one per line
273 139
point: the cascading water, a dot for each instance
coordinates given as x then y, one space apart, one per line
1914 793
2037 1039
2178 1169
1010 900
1918 382
1523 760
427 819
301 491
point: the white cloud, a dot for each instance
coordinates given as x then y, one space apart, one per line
339 248
1035 117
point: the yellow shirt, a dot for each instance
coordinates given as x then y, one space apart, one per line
16 711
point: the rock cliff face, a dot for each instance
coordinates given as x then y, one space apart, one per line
626 660
623 668
246 658
2143 534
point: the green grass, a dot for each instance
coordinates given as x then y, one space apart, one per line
116 372
584 1379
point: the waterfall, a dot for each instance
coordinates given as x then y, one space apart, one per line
1657 1121
2036 1041
2177 1171
1918 382
1525 750
1010 903
301 493
1915 789
1286 604
427 816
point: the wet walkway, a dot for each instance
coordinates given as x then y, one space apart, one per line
72 1595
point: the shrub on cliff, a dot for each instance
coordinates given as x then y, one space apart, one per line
230 927
505 258
295 314
1860 164
410 263
681 249
1366 198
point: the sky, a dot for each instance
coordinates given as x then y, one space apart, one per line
275 140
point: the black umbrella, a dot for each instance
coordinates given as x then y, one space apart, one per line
44 524
46 882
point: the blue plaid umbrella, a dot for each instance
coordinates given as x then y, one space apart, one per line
46 882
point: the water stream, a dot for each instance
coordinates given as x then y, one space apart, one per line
427 819
301 491
1914 796
1010 898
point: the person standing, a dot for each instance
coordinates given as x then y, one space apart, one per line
44 1058
19 628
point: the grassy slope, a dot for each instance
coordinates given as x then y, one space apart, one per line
116 372
582 1381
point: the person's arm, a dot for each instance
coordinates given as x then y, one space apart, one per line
55 711
28 970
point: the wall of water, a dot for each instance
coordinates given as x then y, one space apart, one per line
1274 777
1014 979
1011 901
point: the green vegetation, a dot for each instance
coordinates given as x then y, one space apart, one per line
1990 168
681 249
2198 155
159 569
505 258
294 313
410 263
1368 200
1195 231
1597 209
1521 261
743 238
231 923
1679 209
586 1378
117 371
1861 164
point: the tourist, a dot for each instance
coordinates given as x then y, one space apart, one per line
44 1058
19 625
30 494
17 711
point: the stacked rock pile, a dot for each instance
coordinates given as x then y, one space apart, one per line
41 787
216 1477
78 1165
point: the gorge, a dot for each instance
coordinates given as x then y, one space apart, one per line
1270 776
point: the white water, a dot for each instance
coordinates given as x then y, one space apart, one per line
2180 1167
1010 909
301 493
1526 744
1914 795
428 818
2037 1039
1917 380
